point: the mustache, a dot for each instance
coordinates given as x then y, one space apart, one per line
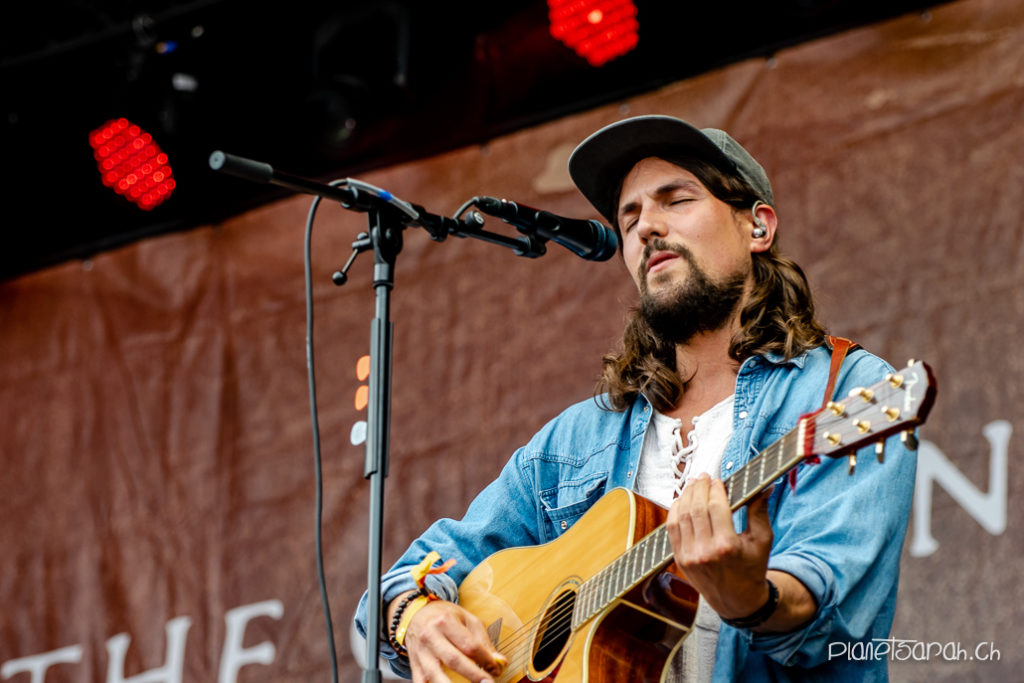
658 244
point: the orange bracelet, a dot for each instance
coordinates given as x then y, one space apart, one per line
420 571
414 602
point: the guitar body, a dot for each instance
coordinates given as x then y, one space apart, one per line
525 596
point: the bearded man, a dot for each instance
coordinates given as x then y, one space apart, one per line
722 358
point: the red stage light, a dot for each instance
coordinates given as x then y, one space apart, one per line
131 164
597 30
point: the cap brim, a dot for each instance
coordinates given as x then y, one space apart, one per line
600 162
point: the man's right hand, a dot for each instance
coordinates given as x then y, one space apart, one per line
442 633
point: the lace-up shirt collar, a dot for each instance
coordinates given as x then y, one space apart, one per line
667 462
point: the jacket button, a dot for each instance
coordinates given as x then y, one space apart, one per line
564 525
743 415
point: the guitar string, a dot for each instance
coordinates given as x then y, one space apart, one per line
560 619
560 623
558 616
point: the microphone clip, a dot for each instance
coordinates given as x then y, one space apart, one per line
588 239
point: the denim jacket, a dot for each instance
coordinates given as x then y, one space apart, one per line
840 535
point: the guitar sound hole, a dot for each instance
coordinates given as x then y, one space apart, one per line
555 627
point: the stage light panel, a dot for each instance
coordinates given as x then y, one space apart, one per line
132 164
597 30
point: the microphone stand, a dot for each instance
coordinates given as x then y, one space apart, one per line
387 243
386 223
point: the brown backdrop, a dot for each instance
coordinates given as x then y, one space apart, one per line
157 490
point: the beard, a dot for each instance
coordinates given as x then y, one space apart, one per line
698 304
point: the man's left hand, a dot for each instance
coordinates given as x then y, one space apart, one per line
727 568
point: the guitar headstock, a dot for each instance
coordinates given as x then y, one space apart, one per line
898 403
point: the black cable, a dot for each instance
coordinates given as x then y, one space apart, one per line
462 209
316 442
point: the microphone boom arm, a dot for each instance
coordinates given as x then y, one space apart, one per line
350 196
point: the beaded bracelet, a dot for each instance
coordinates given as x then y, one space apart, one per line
395 620
410 611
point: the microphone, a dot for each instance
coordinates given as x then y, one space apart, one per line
588 239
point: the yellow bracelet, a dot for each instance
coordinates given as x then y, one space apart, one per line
410 610
415 601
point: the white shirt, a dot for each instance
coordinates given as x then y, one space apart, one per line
665 466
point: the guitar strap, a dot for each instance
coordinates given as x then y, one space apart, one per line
840 346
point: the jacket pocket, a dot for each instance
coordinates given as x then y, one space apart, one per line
565 503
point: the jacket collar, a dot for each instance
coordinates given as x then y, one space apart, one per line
779 359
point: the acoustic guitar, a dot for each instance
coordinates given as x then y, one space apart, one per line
604 602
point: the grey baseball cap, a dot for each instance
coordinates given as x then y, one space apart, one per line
600 162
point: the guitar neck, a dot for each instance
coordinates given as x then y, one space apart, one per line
898 403
764 468
654 552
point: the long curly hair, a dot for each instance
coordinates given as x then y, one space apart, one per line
778 316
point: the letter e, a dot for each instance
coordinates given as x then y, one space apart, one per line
234 656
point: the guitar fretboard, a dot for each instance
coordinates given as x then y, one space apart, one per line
764 468
650 553
654 551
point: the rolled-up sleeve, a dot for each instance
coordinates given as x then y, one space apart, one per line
841 535
504 514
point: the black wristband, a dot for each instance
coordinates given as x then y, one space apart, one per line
762 614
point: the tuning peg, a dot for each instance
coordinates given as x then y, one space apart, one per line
909 440
911 362
865 394
852 459
863 426
895 380
892 413
880 451
837 409
833 438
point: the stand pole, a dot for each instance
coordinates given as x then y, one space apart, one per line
387 242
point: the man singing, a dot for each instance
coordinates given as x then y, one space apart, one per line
721 358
